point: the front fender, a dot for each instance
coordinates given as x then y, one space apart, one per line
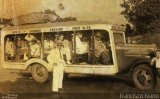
137 62
38 61
132 65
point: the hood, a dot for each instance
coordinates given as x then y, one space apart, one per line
137 49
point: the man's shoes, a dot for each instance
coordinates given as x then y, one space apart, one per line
61 90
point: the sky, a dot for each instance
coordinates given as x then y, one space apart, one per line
83 10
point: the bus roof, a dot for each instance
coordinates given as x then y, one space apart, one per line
57 24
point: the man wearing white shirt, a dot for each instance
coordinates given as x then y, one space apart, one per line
79 45
156 61
55 59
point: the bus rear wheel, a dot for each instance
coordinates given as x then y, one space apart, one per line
143 77
39 73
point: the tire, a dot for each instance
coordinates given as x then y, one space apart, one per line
39 73
143 77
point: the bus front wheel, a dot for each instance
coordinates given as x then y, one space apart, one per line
143 77
39 73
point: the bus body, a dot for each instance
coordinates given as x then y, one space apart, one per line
123 57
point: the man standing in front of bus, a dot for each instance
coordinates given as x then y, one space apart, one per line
55 59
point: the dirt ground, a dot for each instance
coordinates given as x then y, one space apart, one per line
89 87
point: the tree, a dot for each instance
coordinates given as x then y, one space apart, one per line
144 15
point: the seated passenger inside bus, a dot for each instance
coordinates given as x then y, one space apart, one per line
49 43
9 50
29 38
80 47
22 50
35 49
85 44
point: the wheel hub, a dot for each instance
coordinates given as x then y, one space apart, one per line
144 77
40 72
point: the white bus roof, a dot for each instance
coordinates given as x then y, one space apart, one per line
60 24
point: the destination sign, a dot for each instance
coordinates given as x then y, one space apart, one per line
56 29
81 28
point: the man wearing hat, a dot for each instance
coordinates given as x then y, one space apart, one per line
55 59
100 49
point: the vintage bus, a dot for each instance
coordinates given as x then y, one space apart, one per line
26 48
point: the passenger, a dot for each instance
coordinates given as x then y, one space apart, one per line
9 49
30 38
35 49
100 49
66 48
22 49
48 45
85 44
79 46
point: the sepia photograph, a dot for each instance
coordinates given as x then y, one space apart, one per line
79 49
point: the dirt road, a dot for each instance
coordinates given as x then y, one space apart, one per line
90 86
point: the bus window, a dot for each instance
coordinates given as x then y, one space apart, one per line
66 39
119 38
34 45
9 48
21 47
49 42
92 47
81 46
51 39
102 53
